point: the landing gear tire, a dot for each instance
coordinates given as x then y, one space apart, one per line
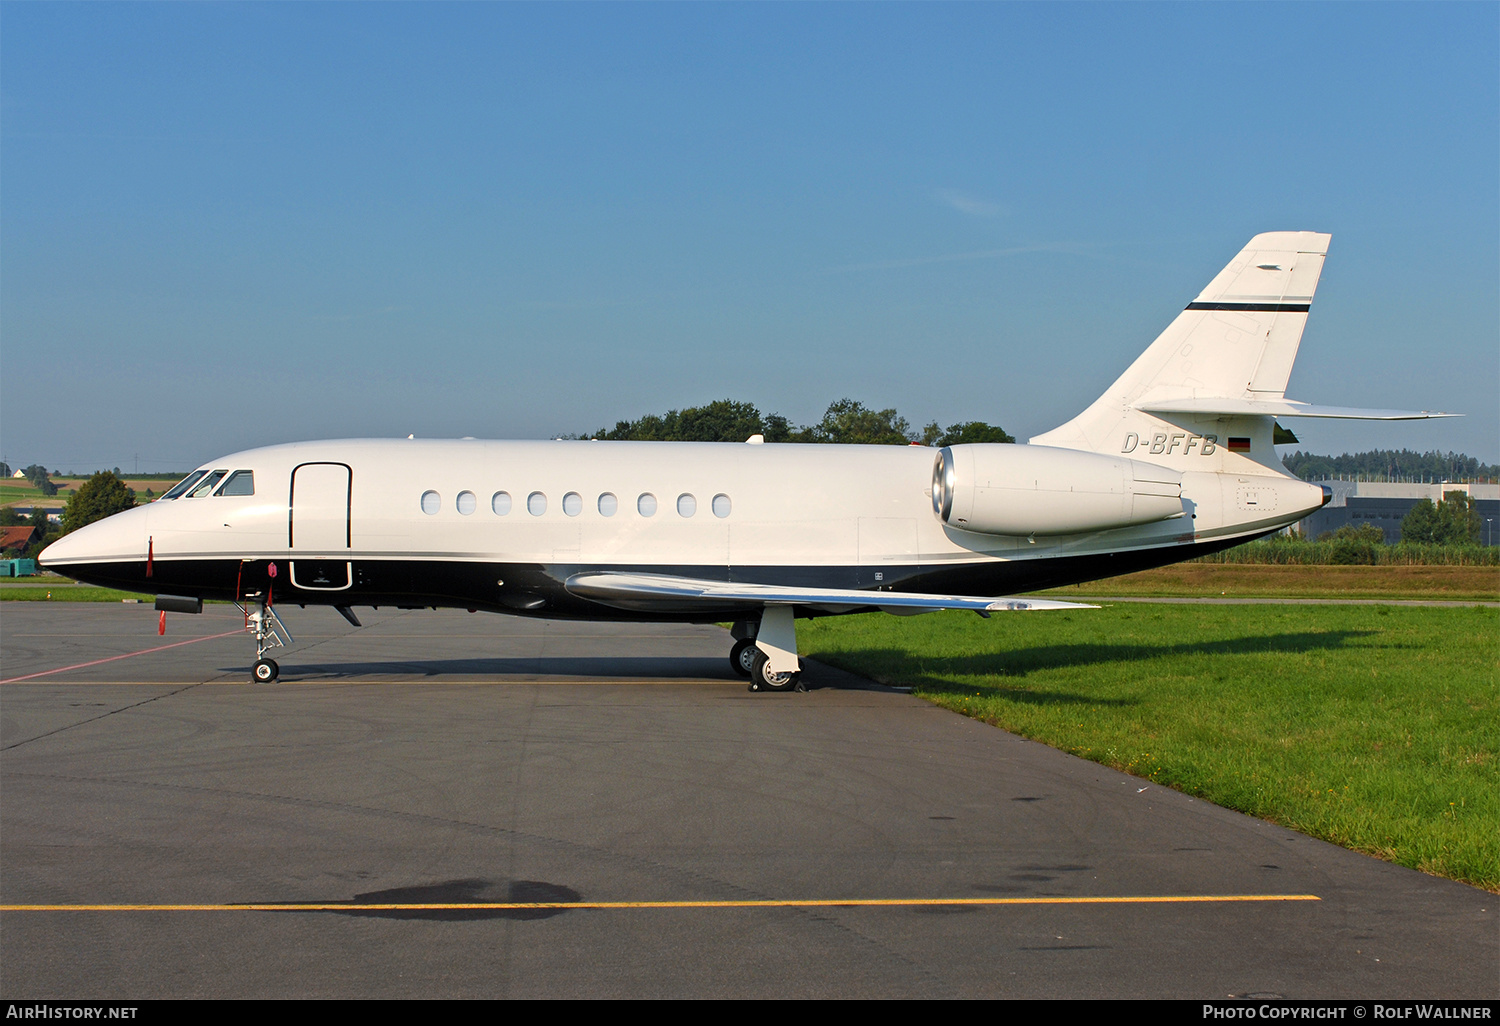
266 671
742 657
762 678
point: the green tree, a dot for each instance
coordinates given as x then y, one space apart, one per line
1421 523
723 420
37 475
720 421
1454 521
46 532
847 422
1391 465
974 431
100 496
963 434
776 428
1458 520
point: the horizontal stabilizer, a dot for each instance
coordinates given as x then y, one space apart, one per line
663 592
1279 408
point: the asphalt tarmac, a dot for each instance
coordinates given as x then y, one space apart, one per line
442 804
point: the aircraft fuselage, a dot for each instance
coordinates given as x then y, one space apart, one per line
502 526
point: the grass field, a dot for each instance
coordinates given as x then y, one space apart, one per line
27 589
1377 728
1466 583
18 492
24 493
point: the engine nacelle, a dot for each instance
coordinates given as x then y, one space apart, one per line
1035 489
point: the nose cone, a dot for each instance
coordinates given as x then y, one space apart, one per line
117 539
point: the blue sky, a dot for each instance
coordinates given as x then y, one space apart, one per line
233 224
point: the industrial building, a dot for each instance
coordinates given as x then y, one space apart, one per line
1384 504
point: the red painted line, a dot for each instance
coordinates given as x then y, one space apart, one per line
127 655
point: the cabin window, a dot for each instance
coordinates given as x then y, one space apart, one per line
500 503
466 503
536 503
686 505
207 484
722 505
608 504
646 505
431 503
241 482
572 504
184 484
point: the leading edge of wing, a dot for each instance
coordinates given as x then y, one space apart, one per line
664 592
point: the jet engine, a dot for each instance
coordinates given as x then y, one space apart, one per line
1034 489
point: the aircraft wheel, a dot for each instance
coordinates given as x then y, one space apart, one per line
266 671
763 679
742 657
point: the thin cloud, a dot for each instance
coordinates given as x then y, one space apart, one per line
344 318
967 204
948 258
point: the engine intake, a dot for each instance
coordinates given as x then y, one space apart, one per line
1036 489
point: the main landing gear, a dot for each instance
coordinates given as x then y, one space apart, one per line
742 656
766 652
261 621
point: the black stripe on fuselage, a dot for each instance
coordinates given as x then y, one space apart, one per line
535 589
1254 307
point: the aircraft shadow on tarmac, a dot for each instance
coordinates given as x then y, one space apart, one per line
930 673
462 892
936 673
591 667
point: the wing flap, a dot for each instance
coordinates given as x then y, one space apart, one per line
663 592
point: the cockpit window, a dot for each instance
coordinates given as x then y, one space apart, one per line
183 485
241 482
207 484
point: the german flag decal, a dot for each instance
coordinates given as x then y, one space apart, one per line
1239 444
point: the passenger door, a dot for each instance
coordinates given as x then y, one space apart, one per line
318 525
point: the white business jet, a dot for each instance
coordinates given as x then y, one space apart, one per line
1174 461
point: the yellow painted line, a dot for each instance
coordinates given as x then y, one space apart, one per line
506 906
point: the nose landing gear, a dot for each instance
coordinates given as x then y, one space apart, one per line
261 621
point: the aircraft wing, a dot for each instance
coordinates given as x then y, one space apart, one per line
646 592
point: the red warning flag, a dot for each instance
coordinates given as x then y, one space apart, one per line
149 546
161 623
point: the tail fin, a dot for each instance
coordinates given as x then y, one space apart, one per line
1237 340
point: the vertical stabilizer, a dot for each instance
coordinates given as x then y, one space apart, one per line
1236 340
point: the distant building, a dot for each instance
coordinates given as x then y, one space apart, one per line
1385 505
18 536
